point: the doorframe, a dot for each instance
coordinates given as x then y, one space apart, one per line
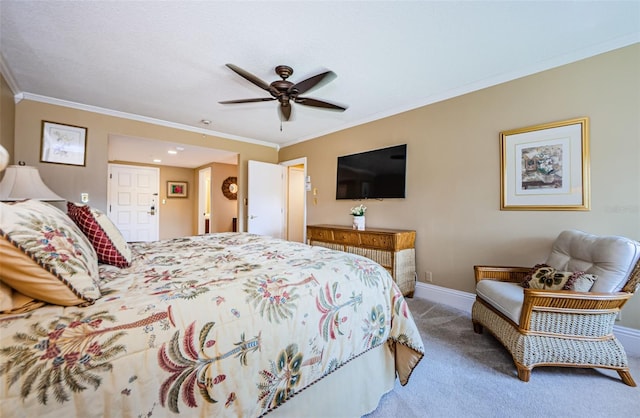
204 191
298 161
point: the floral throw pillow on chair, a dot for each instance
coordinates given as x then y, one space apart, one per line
543 276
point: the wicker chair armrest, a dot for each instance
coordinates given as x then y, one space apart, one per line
501 273
570 302
633 284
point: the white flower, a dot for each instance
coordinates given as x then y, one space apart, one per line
359 210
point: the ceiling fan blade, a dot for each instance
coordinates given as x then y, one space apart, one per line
285 111
263 99
311 82
250 77
318 103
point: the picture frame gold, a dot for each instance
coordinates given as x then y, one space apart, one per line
63 144
546 166
177 189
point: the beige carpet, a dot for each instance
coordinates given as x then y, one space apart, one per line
464 374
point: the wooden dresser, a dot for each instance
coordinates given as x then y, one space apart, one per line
394 249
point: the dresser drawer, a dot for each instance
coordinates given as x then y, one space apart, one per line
320 234
377 240
346 237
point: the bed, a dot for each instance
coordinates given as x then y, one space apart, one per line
228 324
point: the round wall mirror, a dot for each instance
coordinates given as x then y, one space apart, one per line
230 188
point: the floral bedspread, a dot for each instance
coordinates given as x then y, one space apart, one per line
232 324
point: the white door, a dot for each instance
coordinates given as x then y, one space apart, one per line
133 201
266 199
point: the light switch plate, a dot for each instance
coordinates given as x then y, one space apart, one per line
84 197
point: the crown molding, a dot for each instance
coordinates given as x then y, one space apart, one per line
11 81
549 64
145 119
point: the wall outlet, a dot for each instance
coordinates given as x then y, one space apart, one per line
84 197
428 277
619 316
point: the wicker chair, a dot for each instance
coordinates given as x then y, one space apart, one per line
562 327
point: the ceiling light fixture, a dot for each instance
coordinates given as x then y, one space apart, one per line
172 152
157 160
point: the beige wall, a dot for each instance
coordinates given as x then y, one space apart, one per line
7 118
223 209
70 181
453 169
176 214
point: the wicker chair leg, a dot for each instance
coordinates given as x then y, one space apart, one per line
626 377
523 373
477 327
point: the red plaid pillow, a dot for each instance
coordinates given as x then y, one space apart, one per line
105 237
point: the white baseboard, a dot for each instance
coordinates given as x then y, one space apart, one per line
629 337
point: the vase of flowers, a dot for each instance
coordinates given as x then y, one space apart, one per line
358 217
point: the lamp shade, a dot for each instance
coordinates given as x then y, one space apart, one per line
23 182
4 158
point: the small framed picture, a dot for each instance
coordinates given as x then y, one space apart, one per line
63 144
177 189
546 167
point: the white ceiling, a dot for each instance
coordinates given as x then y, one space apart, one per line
151 151
164 62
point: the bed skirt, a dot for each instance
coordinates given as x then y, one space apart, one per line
371 376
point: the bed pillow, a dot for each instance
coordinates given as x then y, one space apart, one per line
546 277
105 237
45 256
5 297
14 302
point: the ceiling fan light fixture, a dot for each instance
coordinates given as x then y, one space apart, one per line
286 92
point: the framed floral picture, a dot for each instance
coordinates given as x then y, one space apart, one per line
63 144
177 189
545 167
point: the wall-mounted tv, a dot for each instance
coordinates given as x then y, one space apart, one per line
377 174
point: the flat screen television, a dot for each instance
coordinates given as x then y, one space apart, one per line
377 174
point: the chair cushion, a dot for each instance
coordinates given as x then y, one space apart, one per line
546 277
506 297
611 258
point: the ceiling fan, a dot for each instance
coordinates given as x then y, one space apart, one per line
285 91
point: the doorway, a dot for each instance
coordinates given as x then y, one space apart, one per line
277 199
296 203
204 201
